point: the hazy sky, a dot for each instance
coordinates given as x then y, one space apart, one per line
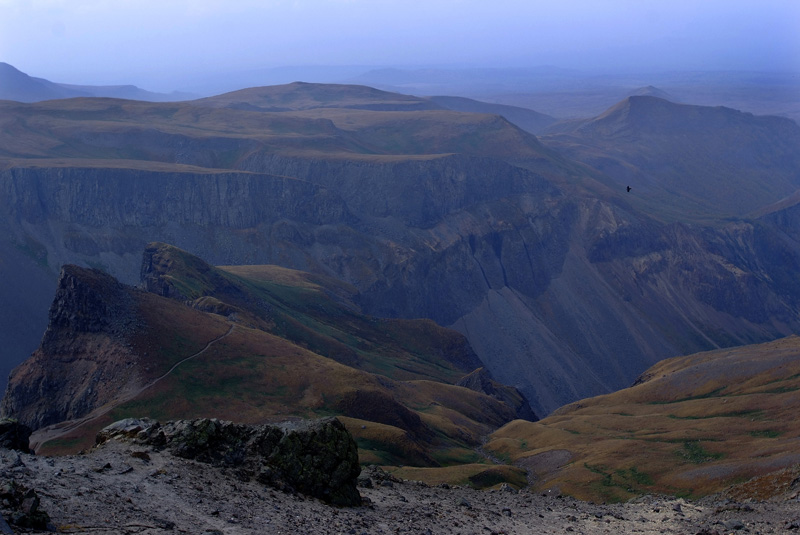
161 43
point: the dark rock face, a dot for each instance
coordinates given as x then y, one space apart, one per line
21 506
84 357
318 458
539 283
14 435
481 381
86 301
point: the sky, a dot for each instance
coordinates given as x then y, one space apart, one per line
161 44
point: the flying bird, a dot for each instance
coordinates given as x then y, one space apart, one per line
629 189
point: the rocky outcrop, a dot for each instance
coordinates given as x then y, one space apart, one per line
14 435
22 507
86 301
318 458
85 358
144 198
481 381
419 193
170 272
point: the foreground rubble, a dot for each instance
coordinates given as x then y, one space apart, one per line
121 487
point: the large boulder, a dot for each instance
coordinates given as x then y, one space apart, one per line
21 506
318 458
14 435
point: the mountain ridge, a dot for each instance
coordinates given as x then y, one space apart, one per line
196 341
687 161
17 86
691 425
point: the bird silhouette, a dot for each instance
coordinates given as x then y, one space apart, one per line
629 189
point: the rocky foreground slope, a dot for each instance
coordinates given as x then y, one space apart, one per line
124 488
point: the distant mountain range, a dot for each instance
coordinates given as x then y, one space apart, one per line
16 85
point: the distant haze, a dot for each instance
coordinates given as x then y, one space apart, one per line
166 44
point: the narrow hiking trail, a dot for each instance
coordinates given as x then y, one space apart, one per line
51 432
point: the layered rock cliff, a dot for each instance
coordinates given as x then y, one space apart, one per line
536 281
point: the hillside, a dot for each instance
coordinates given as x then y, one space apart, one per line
688 162
299 96
250 344
690 426
529 120
18 86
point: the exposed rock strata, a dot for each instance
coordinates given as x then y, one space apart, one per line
564 288
541 284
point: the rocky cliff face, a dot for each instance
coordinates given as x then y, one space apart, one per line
560 297
85 358
264 344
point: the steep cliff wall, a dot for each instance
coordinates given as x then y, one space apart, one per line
85 358
561 297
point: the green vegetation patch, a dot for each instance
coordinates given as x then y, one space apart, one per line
747 413
497 475
389 453
780 390
57 445
619 485
694 452
714 393
633 474
457 455
766 433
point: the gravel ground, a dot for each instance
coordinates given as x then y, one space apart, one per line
121 488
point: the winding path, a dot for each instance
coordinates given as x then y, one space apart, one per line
40 436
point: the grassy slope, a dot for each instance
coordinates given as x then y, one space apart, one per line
687 162
390 383
302 96
113 129
317 312
695 425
